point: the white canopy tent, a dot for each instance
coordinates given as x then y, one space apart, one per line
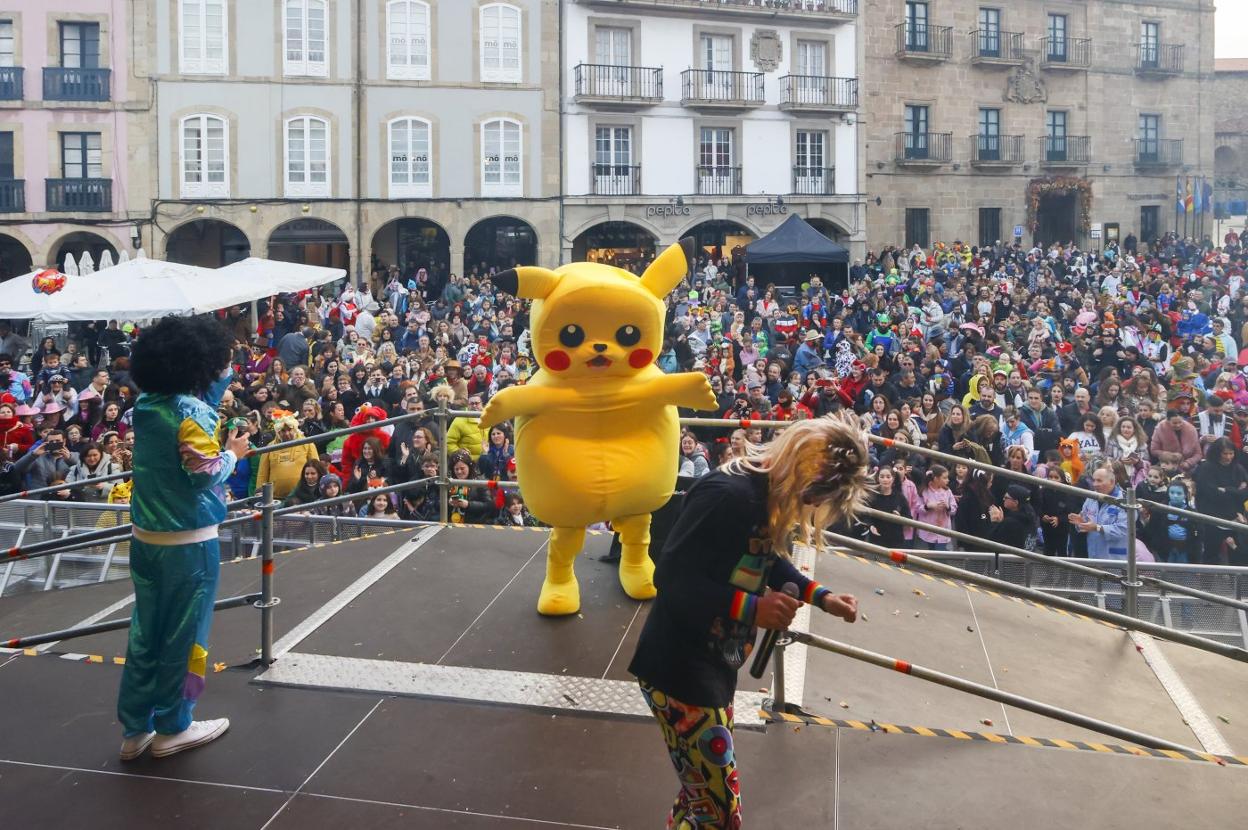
147 289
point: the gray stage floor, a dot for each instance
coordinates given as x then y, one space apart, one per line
461 602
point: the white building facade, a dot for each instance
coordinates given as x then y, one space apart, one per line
716 120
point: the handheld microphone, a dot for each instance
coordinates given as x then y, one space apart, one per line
768 645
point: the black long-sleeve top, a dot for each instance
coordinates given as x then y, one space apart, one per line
717 562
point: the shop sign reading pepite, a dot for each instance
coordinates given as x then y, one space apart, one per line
667 210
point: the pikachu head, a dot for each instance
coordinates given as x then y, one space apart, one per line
596 321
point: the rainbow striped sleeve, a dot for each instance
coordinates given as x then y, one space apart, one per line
814 593
743 606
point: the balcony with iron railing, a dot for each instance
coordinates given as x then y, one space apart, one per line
617 85
1065 150
1158 59
814 181
1066 53
922 43
616 179
1158 152
12 195
66 84
717 180
816 93
80 195
992 47
923 149
996 150
793 11
11 86
719 89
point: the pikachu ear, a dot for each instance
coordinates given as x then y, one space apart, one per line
666 272
527 283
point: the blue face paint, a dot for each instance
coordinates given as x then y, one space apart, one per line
1177 494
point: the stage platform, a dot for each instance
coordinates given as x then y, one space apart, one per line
417 687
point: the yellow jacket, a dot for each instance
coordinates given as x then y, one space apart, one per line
283 468
465 434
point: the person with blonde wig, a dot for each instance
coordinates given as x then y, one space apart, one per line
720 579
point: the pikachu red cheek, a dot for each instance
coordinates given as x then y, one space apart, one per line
557 361
640 358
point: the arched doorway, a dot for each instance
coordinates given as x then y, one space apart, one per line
829 229
499 242
210 243
14 258
310 242
719 238
621 244
81 243
412 244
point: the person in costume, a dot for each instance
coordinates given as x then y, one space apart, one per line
597 432
183 368
720 579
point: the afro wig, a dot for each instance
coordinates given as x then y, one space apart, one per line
180 356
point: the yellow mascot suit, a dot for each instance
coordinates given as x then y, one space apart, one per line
597 434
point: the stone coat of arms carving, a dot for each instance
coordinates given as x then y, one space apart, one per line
766 50
1025 86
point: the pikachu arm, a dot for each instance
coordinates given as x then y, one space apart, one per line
524 400
690 390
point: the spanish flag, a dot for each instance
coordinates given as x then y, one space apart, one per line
1188 203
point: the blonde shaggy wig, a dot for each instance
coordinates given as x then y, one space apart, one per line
817 476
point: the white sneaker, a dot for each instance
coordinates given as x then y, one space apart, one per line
136 745
197 734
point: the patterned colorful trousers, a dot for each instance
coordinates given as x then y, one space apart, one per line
175 587
699 741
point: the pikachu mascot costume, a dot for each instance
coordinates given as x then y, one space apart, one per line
597 434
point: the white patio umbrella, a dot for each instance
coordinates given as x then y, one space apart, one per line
86 265
106 259
71 267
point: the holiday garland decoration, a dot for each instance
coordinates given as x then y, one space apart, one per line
1054 185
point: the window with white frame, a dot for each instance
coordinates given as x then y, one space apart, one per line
307 157
501 153
411 175
407 40
500 43
306 39
203 44
6 43
205 157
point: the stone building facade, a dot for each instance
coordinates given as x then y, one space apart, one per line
359 133
1230 160
74 96
1062 119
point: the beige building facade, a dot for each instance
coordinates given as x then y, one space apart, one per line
1047 119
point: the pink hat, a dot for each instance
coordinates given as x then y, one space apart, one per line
52 408
24 411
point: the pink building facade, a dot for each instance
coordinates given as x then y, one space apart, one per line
74 116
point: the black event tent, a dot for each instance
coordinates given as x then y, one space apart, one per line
793 252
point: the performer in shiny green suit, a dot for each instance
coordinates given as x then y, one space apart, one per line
182 368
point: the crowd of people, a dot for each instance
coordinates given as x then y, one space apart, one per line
1110 369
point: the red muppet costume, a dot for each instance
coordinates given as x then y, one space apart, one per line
355 441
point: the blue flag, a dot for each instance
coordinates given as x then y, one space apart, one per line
1178 194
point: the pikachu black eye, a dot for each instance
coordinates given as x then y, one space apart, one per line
572 336
628 335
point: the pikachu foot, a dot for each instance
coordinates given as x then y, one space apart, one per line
559 599
637 575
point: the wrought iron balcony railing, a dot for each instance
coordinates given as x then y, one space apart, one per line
996 150
11 86
996 46
618 84
718 88
1065 52
64 84
1158 58
1065 150
12 195
1158 152
818 93
814 181
616 179
923 42
924 148
714 180
80 195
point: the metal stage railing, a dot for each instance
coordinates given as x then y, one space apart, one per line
266 512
